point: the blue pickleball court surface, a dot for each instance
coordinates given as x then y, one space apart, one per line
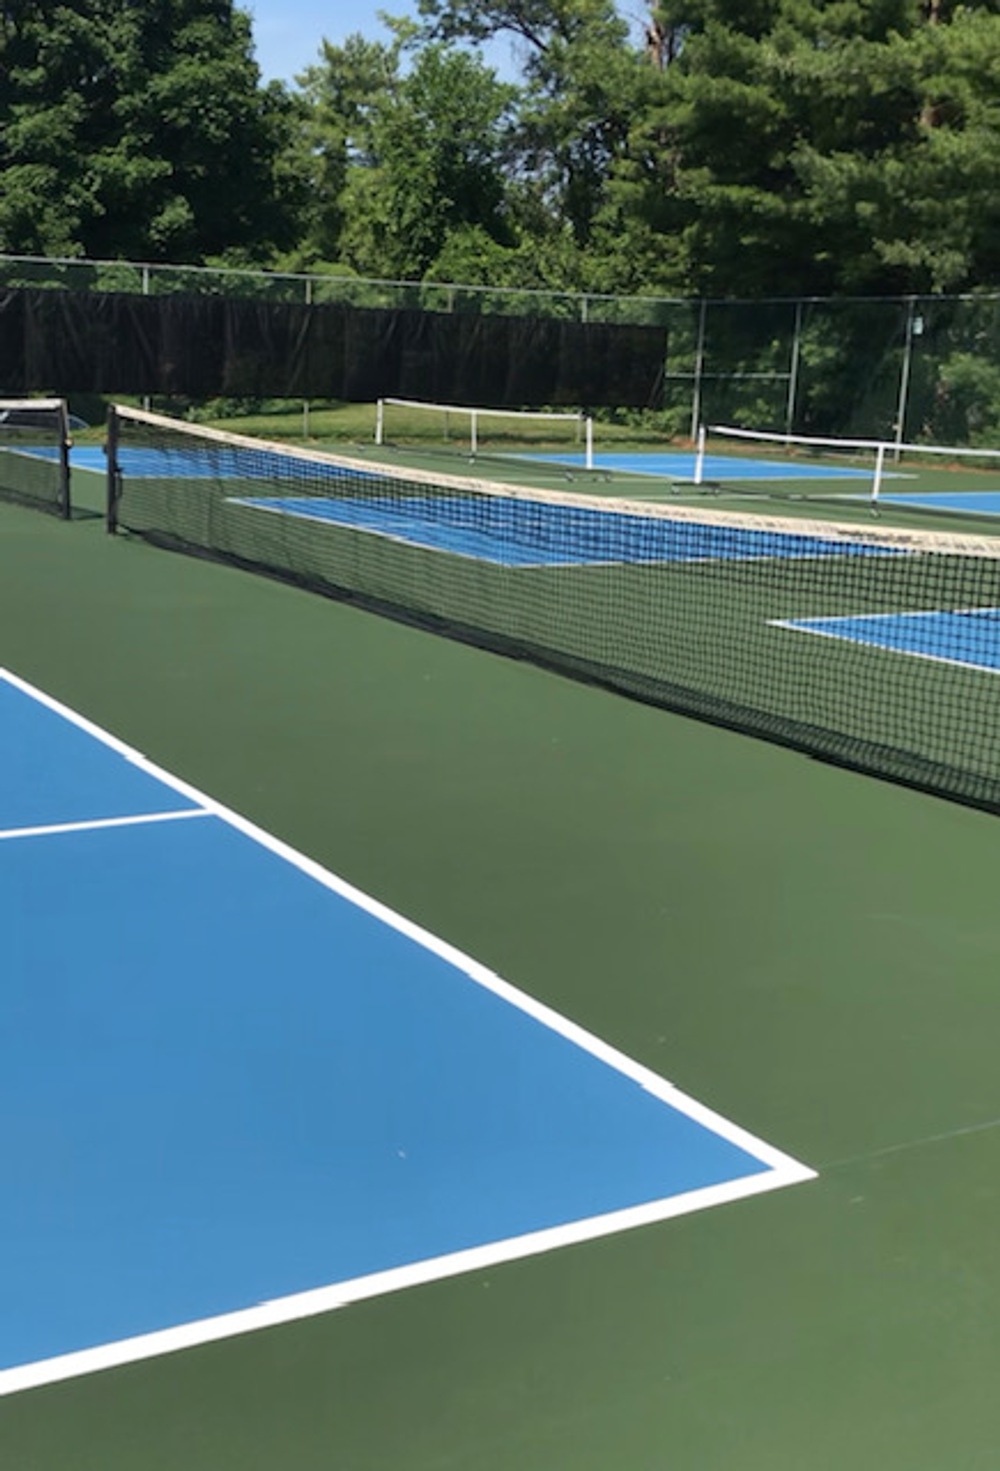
512 531
521 532
662 466
963 503
230 1080
682 466
967 637
46 781
176 462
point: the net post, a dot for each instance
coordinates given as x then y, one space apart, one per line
379 421
699 458
878 476
113 473
65 504
588 430
474 439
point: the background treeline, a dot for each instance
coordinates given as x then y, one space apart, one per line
732 150
725 148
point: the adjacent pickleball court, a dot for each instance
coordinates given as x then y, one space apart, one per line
968 638
245 1092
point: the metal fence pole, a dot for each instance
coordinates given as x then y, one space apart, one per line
305 402
914 326
793 370
699 365
146 400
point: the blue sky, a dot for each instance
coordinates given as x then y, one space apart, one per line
288 33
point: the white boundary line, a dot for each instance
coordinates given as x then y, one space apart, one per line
781 1170
801 626
95 823
327 1299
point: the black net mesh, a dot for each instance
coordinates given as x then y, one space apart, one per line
875 648
34 453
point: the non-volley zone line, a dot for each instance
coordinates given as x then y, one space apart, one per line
242 1092
967 637
518 531
56 829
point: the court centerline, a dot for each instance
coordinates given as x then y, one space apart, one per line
96 824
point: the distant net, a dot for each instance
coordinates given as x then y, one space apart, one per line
34 453
870 646
934 479
475 433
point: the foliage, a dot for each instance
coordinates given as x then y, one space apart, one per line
729 149
400 159
138 130
765 147
797 146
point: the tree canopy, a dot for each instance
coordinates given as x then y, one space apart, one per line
725 147
139 130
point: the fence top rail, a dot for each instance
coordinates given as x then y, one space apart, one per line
161 268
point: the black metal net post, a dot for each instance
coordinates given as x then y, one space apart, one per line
113 473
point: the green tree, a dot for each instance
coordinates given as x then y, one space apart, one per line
808 146
339 98
139 130
582 83
402 158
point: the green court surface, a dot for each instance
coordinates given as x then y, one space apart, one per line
813 953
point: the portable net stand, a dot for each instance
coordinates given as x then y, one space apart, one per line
874 647
34 453
812 463
477 432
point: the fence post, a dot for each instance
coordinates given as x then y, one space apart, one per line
914 327
699 365
793 369
305 402
147 402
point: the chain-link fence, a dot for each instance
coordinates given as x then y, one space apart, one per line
895 368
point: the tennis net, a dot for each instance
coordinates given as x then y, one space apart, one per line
476 433
34 453
874 647
886 475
